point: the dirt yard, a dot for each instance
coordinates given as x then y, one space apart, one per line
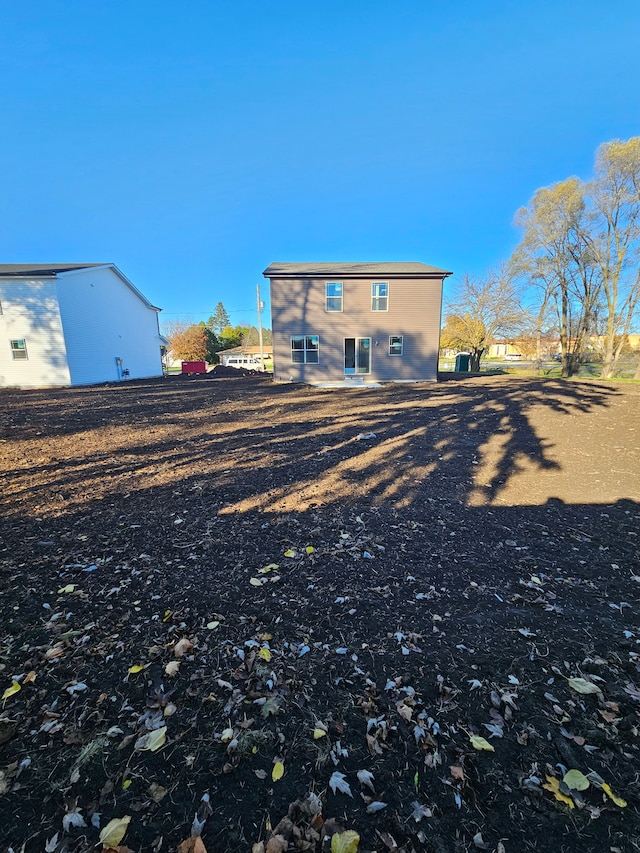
409 612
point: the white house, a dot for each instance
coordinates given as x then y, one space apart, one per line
74 324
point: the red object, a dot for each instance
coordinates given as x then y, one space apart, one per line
194 366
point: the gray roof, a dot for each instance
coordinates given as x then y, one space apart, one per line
29 270
398 269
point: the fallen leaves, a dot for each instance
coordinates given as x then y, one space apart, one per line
481 744
338 782
278 771
11 691
553 785
581 685
153 741
345 842
114 831
576 780
182 647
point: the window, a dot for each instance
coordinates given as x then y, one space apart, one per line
395 344
304 349
19 350
333 294
380 296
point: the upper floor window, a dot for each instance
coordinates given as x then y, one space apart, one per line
380 296
19 350
305 349
333 295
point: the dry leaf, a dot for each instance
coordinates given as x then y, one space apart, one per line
553 785
457 772
345 842
581 685
480 743
277 844
290 553
365 777
265 654
172 668
137 667
68 588
278 771
114 831
182 647
29 678
318 733
192 845
157 792
339 783
576 780
617 800
155 740
11 691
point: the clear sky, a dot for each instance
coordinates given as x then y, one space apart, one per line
192 143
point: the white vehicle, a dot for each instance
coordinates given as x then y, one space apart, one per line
244 362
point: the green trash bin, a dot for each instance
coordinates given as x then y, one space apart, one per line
462 362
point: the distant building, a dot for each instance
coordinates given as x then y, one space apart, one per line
361 322
74 324
248 352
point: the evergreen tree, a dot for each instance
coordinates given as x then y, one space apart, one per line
219 320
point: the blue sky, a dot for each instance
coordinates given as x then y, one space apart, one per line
194 143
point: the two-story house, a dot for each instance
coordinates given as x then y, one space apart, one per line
365 322
74 324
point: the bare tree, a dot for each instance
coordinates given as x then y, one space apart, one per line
614 239
482 311
554 257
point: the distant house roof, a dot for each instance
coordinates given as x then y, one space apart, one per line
389 269
29 270
250 350
54 270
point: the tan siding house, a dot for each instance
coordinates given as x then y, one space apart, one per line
358 322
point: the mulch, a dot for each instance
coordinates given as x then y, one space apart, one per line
406 612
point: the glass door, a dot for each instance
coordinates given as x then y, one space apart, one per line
357 356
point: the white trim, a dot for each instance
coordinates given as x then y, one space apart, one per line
341 297
379 310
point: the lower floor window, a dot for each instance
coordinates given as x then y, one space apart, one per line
305 349
395 344
19 350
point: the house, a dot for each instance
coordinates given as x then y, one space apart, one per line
74 324
246 352
363 322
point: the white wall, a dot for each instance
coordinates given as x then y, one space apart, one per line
30 311
103 319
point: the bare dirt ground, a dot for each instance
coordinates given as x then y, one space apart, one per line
409 612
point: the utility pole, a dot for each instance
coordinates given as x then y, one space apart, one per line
260 307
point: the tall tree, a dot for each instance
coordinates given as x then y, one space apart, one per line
554 256
482 311
219 319
614 239
187 342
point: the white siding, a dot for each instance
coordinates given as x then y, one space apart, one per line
103 319
30 312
